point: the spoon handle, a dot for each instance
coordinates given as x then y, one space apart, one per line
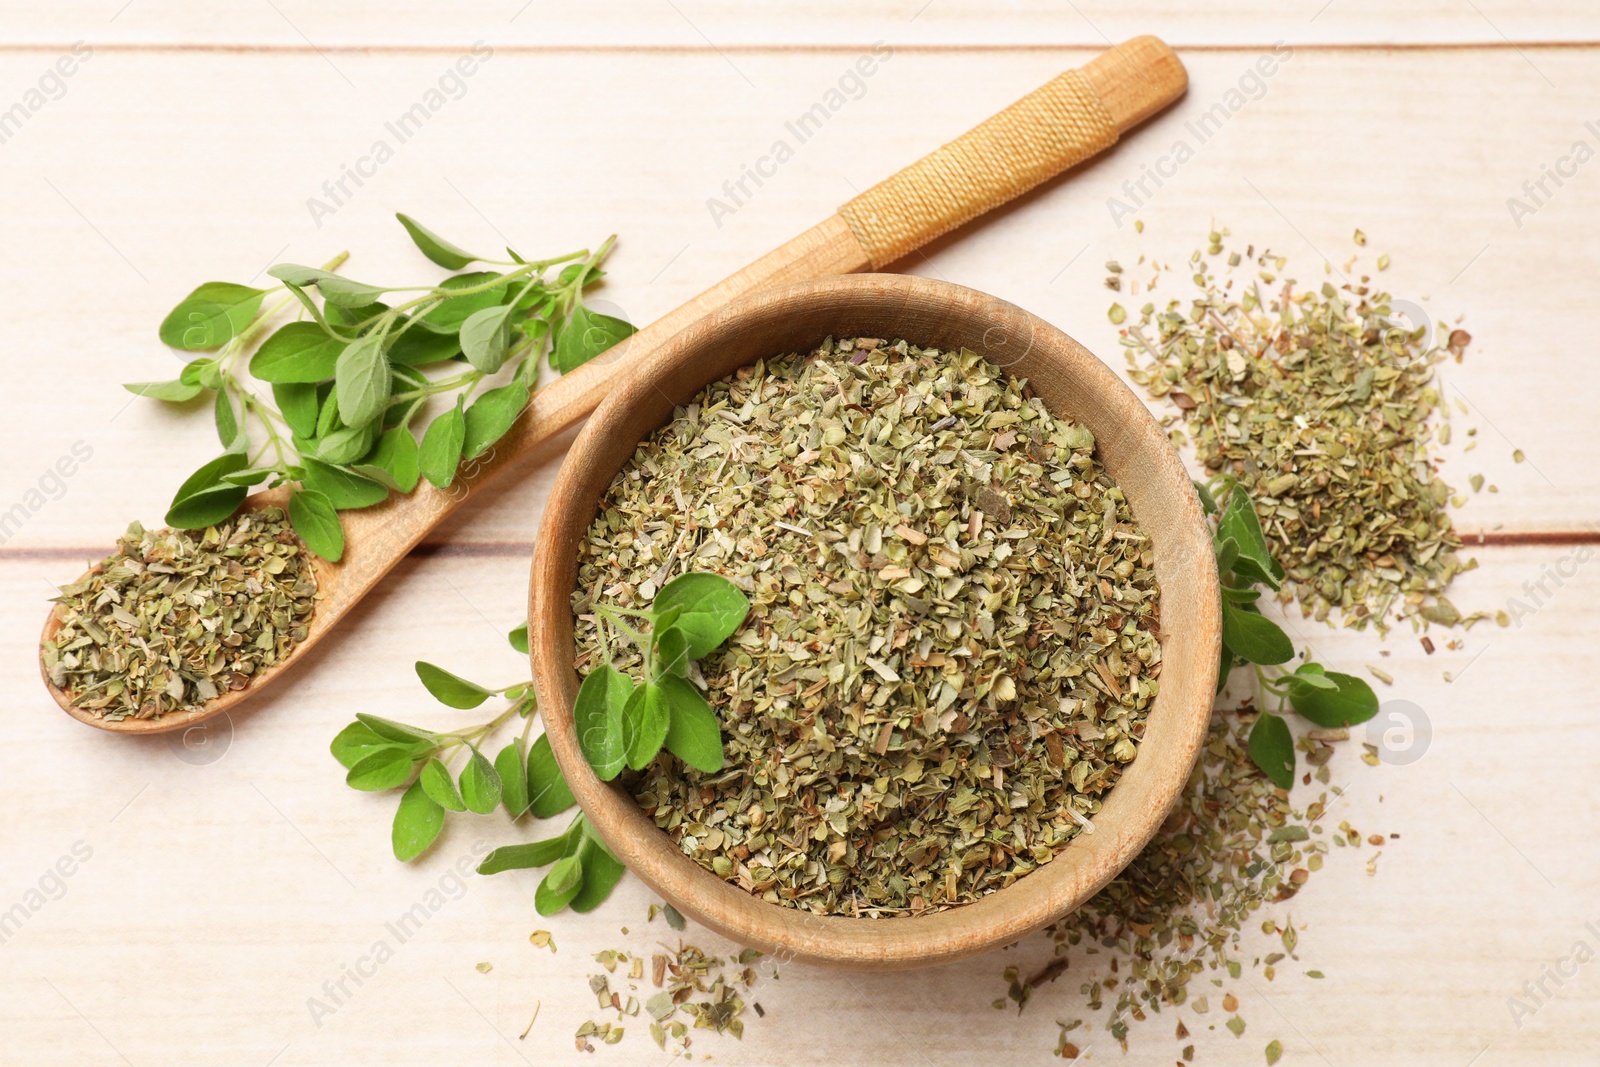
1071 118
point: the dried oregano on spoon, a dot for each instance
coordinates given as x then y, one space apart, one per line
175 617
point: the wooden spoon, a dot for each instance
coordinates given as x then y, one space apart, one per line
1071 118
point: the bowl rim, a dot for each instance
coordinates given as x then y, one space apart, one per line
1091 859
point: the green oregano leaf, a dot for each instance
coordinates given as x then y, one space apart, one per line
347 444
436 248
532 854
601 872
249 476
419 346
671 651
449 314
300 352
335 289
480 784
513 772
519 638
663 619
490 416
343 292
486 337
364 381
209 476
1350 701
1239 522
711 609
203 372
354 743
417 823
173 392
565 875
383 768
394 463
211 316
295 274
645 718
452 690
344 489
1253 637
436 782
357 316
1309 676
227 420
559 886
206 508
1271 746
585 335
328 412
317 523
693 734
397 731
204 499
580 275
548 794
441 447
1227 554
598 715
297 403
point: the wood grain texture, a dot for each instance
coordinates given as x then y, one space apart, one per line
1074 385
708 25
222 896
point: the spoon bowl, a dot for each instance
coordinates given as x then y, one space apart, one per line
334 600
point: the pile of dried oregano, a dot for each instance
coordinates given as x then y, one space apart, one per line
175 617
952 642
1319 401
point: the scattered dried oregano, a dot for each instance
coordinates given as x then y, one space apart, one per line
1319 401
1166 931
953 635
175 617
673 991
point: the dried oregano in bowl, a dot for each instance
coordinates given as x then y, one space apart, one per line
953 638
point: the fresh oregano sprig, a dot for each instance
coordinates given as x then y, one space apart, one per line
619 723
381 754
1326 698
347 378
622 724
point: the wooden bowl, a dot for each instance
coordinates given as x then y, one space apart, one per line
1073 384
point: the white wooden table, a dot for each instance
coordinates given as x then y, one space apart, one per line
215 889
